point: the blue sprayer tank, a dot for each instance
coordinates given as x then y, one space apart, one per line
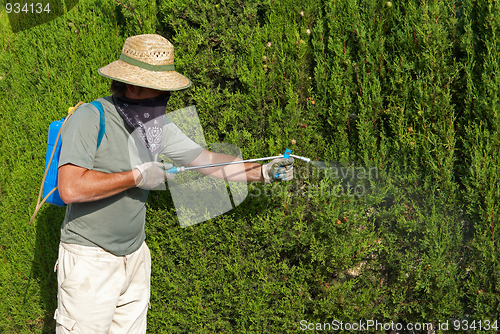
51 178
54 128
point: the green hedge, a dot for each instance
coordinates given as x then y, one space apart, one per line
401 100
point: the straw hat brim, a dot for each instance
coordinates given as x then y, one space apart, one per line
160 80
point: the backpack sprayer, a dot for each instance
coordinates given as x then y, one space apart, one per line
286 155
49 182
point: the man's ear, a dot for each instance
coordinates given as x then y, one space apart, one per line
134 90
130 89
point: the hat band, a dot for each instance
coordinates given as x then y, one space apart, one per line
146 66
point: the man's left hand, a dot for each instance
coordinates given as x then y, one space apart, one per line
277 170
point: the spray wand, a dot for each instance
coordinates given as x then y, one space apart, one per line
286 155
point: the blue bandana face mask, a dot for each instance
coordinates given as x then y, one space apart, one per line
145 116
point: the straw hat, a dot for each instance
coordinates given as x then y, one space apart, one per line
147 61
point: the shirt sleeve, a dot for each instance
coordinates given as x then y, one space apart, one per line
177 146
79 137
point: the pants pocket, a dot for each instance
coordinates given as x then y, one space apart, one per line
67 266
64 321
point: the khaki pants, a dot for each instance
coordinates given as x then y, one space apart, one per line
99 292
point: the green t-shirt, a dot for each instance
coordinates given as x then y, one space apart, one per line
115 223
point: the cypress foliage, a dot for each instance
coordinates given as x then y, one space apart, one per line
386 74
481 159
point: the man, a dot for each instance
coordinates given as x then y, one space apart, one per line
104 266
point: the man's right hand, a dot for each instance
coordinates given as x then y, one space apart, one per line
78 184
152 174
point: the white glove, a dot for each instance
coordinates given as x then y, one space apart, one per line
280 169
153 174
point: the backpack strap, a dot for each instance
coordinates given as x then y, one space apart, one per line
102 123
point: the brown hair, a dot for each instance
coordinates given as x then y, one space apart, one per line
118 88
